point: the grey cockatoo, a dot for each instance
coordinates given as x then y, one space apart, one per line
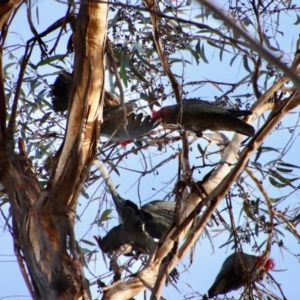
199 115
238 270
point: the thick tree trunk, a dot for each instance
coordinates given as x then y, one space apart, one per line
6 8
43 220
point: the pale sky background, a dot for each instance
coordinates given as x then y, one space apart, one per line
207 260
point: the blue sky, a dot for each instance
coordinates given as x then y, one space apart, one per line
207 261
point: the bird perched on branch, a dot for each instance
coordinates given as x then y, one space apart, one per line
125 239
114 125
199 115
133 237
139 226
240 269
61 90
156 216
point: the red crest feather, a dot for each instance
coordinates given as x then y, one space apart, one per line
269 265
155 114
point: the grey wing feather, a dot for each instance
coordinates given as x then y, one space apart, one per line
192 107
137 126
162 208
158 217
134 127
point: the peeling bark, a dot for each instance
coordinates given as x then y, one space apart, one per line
43 220
6 8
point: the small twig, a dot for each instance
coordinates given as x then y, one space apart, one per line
233 227
105 175
269 206
288 223
151 4
43 47
112 59
232 89
13 115
28 50
278 286
61 29
289 72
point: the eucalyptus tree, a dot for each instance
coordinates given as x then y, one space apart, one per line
234 191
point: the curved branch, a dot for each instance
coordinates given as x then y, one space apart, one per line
151 4
289 72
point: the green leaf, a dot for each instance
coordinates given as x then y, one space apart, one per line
278 231
261 245
38 153
257 165
217 46
194 53
257 156
116 171
123 74
227 227
233 59
85 250
105 216
85 194
297 21
268 44
227 243
247 210
284 170
145 97
197 48
50 59
217 17
215 85
288 165
138 47
182 60
262 149
276 183
37 14
8 66
202 54
200 149
240 214
275 200
88 243
256 206
221 52
281 178
245 63
246 21
3 201
44 118
138 75
256 229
